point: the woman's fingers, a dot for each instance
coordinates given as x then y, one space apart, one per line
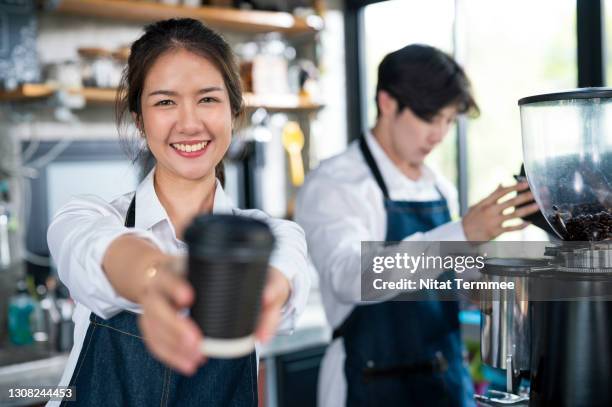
184 336
173 338
174 287
269 319
167 347
275 295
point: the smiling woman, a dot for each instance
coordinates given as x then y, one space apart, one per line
182 91
168 83
185 103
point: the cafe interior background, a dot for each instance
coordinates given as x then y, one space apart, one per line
305 62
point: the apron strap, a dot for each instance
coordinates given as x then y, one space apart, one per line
439 191
367 155
130 217
338 332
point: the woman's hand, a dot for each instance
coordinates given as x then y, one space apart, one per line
170 336
484 221
174 338
275 295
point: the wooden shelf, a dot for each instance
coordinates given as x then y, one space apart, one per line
280 102
221 18
28 91
34 91
107 96
97 95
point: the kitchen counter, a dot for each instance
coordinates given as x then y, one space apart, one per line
311 330
19 370
37 373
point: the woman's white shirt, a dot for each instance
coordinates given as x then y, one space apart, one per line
341 205
82 230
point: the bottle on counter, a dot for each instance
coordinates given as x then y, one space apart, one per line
47 318
66 327
21 306
5 249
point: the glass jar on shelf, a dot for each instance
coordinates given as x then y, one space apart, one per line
304 80
64 74
271 65
246 53
98 68
192 3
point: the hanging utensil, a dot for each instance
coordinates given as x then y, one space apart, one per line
293 141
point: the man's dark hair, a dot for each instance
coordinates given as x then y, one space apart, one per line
425 80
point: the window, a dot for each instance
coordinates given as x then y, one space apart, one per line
607 16
391 25
512 49
509 49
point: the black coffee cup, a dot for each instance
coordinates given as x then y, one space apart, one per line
227 267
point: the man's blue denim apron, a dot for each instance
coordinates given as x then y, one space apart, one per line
405 353
115 369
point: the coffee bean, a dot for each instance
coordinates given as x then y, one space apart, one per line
586 222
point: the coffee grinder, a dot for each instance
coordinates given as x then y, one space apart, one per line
557 328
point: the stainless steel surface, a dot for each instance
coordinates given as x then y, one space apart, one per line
505 331
505 328
271 385
503 398
66 325
596 257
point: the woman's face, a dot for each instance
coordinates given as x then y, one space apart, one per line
186 115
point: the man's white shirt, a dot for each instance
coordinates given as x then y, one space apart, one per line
341 205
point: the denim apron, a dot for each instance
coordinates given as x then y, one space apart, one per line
405 353
115 368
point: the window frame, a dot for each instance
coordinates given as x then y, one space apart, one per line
590 39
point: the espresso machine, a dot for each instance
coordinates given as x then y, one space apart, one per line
555 327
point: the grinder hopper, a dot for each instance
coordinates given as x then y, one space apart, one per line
567 147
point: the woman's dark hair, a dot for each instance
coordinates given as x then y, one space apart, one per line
159 38
425 80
